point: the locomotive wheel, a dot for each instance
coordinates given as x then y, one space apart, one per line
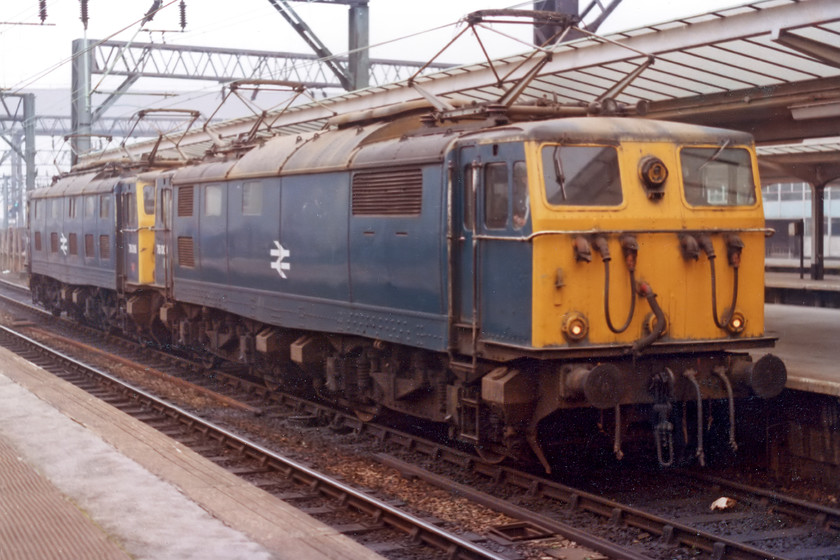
271 380
489 456
209 361
367 413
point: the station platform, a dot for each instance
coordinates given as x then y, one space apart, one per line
808 344
80 479
786 283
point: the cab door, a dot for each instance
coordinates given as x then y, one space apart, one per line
137 201
128 242
493 253
467 165
163 233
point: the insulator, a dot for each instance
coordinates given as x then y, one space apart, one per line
42 10
183 7
150 15
84 18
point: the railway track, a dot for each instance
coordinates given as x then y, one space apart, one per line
288 479
794 529
813 523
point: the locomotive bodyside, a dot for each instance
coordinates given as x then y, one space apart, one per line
289 237
73 245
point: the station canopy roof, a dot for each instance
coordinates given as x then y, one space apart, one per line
771 68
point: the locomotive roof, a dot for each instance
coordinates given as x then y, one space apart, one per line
84 183
407 141
382 142
611 130
202 173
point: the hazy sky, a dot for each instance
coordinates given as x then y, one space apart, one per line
34 56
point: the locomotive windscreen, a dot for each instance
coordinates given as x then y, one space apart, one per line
581 175
717 177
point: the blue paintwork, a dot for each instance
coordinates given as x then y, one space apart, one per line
76 269
382 277
251 238
313 228
395 262
309 215
185 227
503 266
505 280
211 242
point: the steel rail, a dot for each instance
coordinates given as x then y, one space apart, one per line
418 529
671 532
579 536
826 516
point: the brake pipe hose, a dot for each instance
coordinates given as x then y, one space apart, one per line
629 247
659 326
735 262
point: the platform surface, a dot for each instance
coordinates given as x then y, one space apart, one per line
809 344
80 480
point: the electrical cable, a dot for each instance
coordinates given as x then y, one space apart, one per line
607 299
17 88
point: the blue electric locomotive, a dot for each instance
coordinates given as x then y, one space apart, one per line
439 270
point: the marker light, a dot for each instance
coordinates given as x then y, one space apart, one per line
737 323
575 327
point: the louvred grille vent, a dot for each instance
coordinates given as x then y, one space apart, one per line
186 254
185 202
104 248
397 192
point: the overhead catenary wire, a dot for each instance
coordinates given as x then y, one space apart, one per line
210 89
17 88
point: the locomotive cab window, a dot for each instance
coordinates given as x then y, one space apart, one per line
149 200
130 210
717 176
520 195
496 195
469 198
581 175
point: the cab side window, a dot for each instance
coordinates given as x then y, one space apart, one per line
469 198
520 195
149 200
130 210
496 195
